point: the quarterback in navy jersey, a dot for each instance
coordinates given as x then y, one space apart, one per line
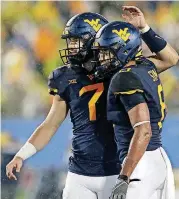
94 164
136 105
93 145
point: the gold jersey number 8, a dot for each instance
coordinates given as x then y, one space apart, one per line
162 105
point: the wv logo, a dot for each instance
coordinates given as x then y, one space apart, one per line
122 33
94 23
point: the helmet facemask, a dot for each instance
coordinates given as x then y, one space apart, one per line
106 62
78 50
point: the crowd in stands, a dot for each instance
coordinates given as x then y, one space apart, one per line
31 39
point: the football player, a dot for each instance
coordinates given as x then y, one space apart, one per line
94 164
136 105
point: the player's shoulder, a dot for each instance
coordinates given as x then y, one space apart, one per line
59 72
57 77
145 63
126 80
57 81
125 76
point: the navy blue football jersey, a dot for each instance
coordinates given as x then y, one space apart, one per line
93 145
128 88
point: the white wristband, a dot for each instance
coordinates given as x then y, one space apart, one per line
26 151
140 123
144 30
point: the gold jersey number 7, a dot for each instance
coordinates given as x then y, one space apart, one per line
99 87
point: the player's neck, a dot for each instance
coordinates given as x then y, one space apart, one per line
88 65
130 63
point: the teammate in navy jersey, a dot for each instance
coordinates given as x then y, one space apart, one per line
136 105
94 164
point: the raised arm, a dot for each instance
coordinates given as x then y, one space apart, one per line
166 56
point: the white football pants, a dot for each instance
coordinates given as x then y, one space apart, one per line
86 187
156 177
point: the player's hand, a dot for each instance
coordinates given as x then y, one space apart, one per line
134 15
15 164
120 189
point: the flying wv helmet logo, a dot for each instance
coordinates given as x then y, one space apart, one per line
123 34
94 23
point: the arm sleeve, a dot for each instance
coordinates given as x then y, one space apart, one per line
128 89
53 90
56 84
130 101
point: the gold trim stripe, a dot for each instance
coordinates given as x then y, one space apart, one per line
53 89
129 92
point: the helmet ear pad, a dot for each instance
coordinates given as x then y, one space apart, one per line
126 54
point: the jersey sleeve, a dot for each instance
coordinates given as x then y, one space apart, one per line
56 85
53 90
128 89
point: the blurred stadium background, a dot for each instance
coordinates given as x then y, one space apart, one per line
30 38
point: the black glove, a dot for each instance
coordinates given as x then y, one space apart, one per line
120 189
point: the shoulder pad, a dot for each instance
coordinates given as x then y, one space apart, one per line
59 71
56 86
126 82
145 62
